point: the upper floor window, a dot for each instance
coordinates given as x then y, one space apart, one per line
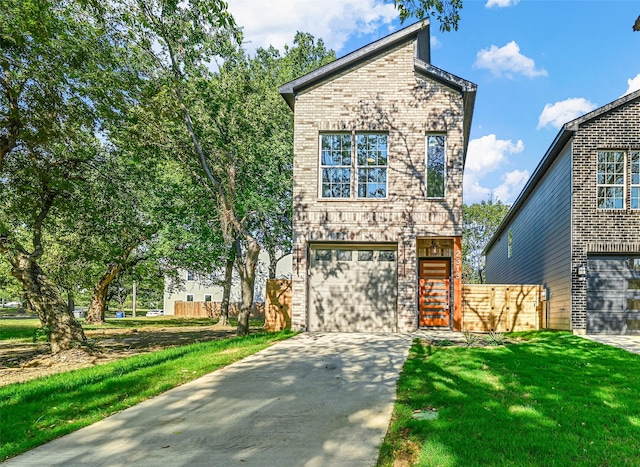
335 166
435 177
635 179
372 166
191 276
337 155
510 244
611 179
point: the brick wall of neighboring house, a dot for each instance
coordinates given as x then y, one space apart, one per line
384 94
594 230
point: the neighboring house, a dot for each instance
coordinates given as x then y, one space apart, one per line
379 149
575 228
191 287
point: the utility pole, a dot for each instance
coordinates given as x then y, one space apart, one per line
134 299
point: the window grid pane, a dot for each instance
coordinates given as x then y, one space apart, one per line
372 161
635 179
335 165
610 179
435 166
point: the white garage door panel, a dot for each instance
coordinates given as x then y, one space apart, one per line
347 292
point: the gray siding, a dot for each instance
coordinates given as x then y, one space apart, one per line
541 251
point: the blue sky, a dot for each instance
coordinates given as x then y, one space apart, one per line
537 64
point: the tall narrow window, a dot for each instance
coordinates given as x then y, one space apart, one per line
635 179
435 166
611 180
335 165
372 165
510 244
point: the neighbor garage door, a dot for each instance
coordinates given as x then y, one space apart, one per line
613 295
353 287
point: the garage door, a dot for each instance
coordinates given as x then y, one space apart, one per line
353 287
613 295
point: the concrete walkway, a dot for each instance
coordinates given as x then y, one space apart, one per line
317 399
628 343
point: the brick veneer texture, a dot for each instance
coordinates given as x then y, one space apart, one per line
384 94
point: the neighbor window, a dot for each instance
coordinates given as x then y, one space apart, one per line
372 165
635 179
611 180
190 276
189 297
335 166
510 244
435 166
207 298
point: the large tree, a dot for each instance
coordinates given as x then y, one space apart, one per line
479 222
62 69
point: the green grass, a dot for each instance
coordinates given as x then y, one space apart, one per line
38 411
25 328
553 399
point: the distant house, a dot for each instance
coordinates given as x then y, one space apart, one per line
576 225
380 144
192 287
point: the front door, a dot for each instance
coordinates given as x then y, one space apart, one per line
434 292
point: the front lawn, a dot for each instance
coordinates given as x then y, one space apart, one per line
34 412
550 399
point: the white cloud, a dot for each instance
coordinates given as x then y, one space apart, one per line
435 42
486 155
634 84
501 3
277 21
507 61
512 184
561 112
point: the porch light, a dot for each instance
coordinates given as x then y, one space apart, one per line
581 271
434 248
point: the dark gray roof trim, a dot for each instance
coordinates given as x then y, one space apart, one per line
466 88
560 141
416 30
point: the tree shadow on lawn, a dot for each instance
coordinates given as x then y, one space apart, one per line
555 399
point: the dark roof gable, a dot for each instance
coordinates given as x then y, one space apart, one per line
562 138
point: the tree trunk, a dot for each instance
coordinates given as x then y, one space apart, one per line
247 271
273 262
96 312
226 287
45 300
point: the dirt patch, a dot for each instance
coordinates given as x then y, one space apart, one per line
22 361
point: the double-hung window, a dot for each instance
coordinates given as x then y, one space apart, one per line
338 154
335 166
436 161
611 182
372 165
635 179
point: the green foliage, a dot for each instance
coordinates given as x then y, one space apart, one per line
568 399
470 338
447 12
42 333
495 338
479 222
38 411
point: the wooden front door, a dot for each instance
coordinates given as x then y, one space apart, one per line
434 292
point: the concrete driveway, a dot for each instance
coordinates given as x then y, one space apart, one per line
628 343
317 399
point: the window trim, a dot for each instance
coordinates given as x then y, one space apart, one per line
426 167
606 185
631 184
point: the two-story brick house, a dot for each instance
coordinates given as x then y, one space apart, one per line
575 228
379 149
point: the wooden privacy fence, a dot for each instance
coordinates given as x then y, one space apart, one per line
277 314
212 309
501 308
